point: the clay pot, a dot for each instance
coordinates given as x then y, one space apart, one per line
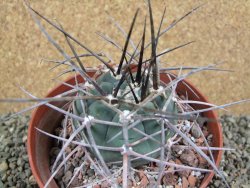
48 119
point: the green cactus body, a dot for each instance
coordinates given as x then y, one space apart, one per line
103 133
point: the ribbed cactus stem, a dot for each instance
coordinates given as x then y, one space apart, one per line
123 115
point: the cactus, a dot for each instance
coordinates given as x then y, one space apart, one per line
103 134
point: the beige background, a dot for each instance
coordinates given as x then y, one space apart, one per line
221 30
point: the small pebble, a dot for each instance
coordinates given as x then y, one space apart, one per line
67 177
195 131
189 158
3 166
32 180
185 182
12 166
192 180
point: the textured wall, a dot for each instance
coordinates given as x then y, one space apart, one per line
220 29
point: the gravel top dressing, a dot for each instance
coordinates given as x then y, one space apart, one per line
15 170
14 164
235 164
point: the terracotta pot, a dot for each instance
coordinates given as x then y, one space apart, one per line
48 119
